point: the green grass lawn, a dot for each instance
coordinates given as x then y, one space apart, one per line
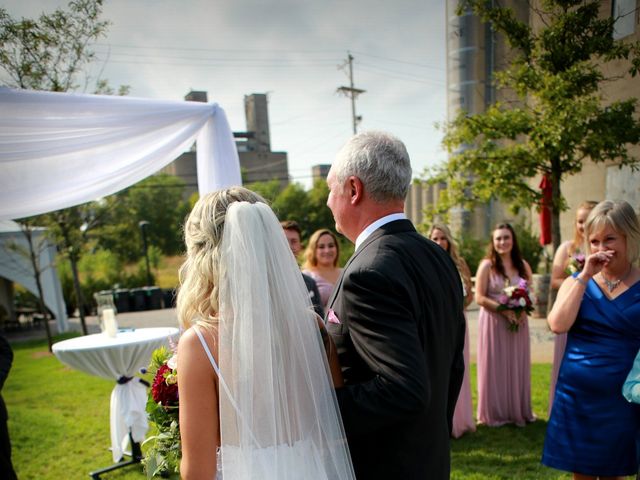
59 425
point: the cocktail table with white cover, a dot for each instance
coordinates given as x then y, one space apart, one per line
119 358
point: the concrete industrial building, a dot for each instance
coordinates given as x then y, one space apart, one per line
257 162
474 52
320 171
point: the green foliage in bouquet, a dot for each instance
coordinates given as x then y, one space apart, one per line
162 457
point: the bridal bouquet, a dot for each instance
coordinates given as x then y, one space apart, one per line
162 458
575 264
517 299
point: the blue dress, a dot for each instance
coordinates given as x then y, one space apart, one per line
592 429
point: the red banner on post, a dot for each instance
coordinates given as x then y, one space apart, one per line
545 210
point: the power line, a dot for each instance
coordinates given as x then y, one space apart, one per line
401 61
219 50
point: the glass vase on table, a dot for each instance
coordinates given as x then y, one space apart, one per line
107 313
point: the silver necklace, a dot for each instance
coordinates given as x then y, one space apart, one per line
613 284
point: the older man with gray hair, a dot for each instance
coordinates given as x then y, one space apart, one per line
396 317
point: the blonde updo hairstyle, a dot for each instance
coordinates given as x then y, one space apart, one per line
197 300
622 218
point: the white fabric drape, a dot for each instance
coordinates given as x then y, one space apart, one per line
279 418
113 358
62 149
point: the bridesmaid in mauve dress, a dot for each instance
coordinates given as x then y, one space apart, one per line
504 363
463 420
560 270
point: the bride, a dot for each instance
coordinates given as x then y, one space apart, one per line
256 393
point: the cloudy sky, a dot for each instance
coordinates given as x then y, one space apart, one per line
291 50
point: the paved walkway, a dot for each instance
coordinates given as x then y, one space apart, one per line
541 337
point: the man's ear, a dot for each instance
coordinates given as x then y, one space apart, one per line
356 189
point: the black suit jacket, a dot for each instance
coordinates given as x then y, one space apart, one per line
400 340
314 294
6 359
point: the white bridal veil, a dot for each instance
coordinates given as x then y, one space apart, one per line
279 417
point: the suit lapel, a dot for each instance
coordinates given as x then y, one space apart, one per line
391 227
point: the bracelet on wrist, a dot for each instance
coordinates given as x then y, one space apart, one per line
580 281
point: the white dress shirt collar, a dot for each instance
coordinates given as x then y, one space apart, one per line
376 225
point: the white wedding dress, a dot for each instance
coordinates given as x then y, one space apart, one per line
279 418
295 461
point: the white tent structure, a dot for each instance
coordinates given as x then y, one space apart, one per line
15 265
63 149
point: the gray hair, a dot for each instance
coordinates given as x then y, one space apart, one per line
380 161
622 218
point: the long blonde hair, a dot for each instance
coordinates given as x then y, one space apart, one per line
197 300
578 241
452 250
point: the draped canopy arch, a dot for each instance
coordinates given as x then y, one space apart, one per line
63 149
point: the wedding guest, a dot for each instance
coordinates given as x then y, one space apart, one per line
567 257
294 237
397 319
592 429
631 391
504 363
6 359
463 415
321 262
256 393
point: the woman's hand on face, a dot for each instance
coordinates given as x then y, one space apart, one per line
596 261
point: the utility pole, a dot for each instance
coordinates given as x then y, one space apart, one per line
351 92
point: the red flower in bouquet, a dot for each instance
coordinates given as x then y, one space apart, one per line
517 299
165 386
163 450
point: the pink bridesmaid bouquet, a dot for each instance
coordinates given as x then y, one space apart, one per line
576 263
516 298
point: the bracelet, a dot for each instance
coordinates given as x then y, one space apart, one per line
580 281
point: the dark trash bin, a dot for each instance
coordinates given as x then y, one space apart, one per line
137 299
169 298
153 298
121 300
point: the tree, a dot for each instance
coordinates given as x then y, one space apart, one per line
36 244
560 119
50 53
69 228
292 203
158 200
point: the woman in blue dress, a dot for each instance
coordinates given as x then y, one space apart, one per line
592 428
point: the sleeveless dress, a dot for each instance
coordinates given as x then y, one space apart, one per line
294 462
325 287
504 365
593 429
559 344
217 370
463 414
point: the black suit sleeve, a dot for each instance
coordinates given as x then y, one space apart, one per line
384 335
314 294
457 372
6 359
